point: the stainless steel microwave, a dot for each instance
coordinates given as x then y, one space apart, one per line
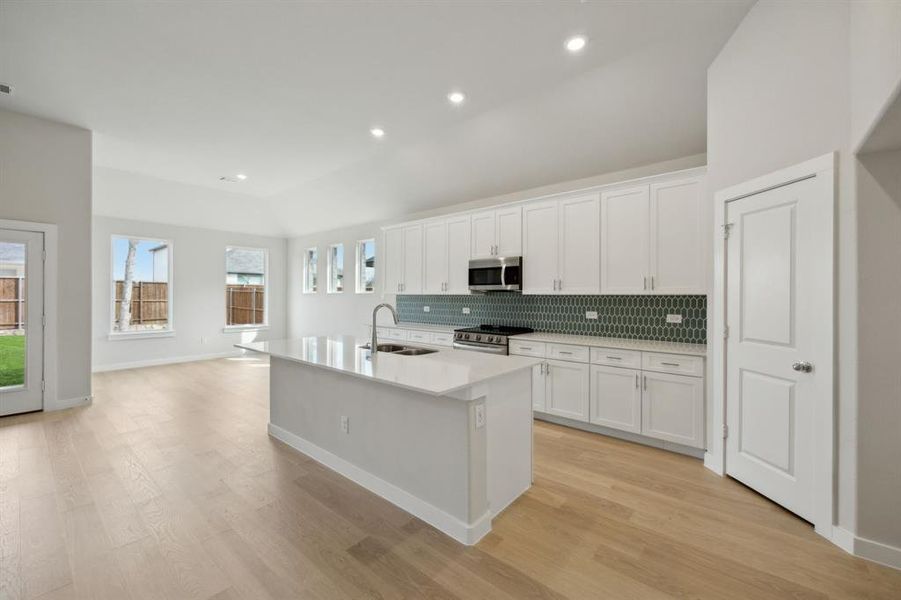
499 274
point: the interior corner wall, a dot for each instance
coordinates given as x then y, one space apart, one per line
198 257
45 177
779 94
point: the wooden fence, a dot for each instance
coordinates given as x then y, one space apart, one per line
149 302
245 304
12 302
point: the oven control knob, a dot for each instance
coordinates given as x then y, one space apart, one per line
490 339
466 336
478 337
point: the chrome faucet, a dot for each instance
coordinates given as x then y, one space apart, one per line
375 342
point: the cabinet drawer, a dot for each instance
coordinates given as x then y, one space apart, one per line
568 352
616 358
392 334
525 348
679 364
443 339
419 336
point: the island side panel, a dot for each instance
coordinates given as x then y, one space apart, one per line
509 450
415 442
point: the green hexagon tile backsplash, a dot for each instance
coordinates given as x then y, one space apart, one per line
633 317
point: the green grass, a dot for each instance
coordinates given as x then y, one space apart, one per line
12 360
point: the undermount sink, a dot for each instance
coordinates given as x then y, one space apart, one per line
414 351
402 350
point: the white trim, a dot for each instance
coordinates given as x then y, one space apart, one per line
240 328
170 283
69 403
823 168
120 336
155 362
452 526
51 304
878 552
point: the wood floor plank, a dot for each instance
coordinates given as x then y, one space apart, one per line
168 487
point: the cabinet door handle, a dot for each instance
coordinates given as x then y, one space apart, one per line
644 381
525 347
636 381
616 358
669 364
645 284
652 282
561 285
566 353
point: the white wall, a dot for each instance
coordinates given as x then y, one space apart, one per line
348 312
45 176
198 281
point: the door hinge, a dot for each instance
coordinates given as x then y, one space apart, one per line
43 385
725 332
727 228
43 320
44 255
725 431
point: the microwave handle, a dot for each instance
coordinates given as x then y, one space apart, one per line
504 274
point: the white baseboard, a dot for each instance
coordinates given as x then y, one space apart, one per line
67 403
878 552
714 463
462 532
155 362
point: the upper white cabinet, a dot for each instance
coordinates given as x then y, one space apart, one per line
446 249
403 260
560 246
652 239
625 241
677 236
497 232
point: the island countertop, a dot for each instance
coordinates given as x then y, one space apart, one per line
440 373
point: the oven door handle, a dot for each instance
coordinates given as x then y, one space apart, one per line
489 348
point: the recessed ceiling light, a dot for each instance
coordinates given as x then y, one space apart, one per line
241 176
575 44
456 97
377 132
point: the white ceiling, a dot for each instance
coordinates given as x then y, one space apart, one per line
287 92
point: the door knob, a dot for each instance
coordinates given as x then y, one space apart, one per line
802 366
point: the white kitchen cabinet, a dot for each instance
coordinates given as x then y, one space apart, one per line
560 246
394 260
672 408
579 254
497 232
616 398
458 249
434 260
567 389
540 248
625 241
539 388
403 260
678 239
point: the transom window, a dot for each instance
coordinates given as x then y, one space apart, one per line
310 267
365 266
336 268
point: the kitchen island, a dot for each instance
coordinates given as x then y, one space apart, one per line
447 436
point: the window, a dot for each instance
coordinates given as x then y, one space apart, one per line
310 263
141 286
336 268
245 286
365 266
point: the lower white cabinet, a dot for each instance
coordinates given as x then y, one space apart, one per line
567 389
616 398
539 388
672 408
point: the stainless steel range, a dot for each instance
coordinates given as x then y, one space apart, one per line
487 338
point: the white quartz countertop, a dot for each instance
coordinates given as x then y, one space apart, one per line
439 373
622 344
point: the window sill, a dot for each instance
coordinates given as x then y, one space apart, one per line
239 328
119 336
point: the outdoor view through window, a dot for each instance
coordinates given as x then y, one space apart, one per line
142 294
245 286
12 314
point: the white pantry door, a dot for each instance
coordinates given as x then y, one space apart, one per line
21 321
779 344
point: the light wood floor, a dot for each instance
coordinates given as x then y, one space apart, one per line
168 487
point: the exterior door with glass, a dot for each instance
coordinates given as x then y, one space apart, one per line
21 321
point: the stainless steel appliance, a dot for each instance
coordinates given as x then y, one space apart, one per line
498 274
487 338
